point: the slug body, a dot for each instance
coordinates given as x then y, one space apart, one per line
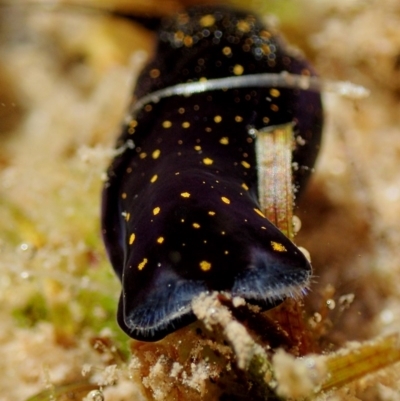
180 207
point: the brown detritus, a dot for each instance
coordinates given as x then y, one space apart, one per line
108 350
185 365
291 318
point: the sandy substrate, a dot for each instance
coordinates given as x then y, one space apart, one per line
65 82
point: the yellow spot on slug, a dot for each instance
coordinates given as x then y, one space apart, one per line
207 161
211 213
196 225
142 264
274 107
124 195
160 240
224 140
166 124
143 155
238 119
156 210
238 69
274 92
245 164
259 212
156 154
181 110
179 35
205 266
276 246
186 124
243 26
154 178
132 239
188 41
154 73
225 200
185 194
197 147
207 20
265 49
245 187
227 51
127 216
265 34
217 119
